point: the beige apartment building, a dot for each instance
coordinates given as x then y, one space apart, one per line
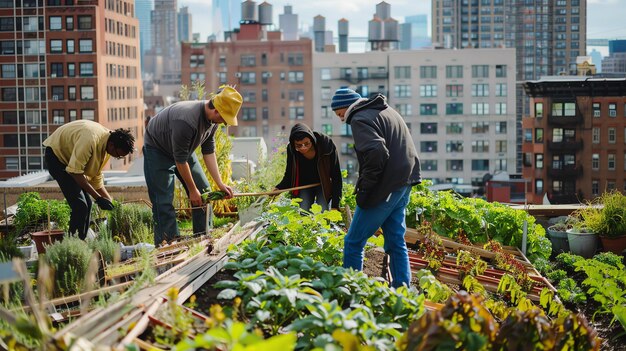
459 105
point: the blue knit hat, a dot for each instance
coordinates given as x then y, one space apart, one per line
344 97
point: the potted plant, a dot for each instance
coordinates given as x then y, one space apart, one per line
26 245
582 239
557 233
609 221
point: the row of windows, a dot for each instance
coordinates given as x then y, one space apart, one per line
568 109
569 135
35 23
122 93
120 50
568 161
121 71
458 165
122 113
457 127
119 6
35 117
251 77
119 28
452 90
478 146
250 113
477 108
38 94
425 72
250 60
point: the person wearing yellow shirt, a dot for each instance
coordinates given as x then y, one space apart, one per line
75 155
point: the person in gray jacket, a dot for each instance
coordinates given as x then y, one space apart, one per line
170 141
388 168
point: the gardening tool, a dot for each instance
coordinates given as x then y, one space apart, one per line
276 192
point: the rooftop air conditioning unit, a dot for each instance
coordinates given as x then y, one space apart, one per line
238 74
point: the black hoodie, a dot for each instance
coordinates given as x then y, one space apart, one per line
385 149
328 167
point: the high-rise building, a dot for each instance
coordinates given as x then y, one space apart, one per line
63 63
415 32
162 61
288 23
273 75
184 24
226 17
143 11
459 106
548 36
616 61
573 142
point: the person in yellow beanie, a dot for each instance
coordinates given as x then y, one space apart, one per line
170 140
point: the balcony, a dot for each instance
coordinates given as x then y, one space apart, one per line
565 120
565 145
566 171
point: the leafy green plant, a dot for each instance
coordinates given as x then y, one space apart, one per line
130 223
105 244
434 290
32 213
570 292
70 260
606 215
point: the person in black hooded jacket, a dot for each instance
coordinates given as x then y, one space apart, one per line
312 158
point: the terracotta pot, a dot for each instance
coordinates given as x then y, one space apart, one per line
46 237
615 245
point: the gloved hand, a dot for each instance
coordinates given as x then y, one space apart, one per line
104 203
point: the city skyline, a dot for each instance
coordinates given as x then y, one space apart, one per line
603 17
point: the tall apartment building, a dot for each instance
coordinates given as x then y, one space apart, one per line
63 60
273 76
574 138
184 24
143 12
162 61
616 61
459 105
547 34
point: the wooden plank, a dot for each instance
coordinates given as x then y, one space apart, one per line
548 210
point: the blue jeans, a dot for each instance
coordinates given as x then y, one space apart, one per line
159 171
390 216
310 196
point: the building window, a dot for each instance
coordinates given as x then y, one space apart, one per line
325 74
539 186
326 93
595 162
71 69
455 90
8 71
295 59
480 165
248 114
296 113
454 146
327 129
454 72
500 108
88 114
480 89
69 23
428 109
539 161
56 46
454 128
70 46
611 162
539 135
612 110
85 46
403 109
428 72
501 146
428 128
480 71
454 165
7 24
610 185
564 109
454 109
428 90
480 146
250 96
501 164
428 146
402 91
86 92
9 94
402 72
501 89
481 108
595 187
500 127
539 109
612 135
58 116
248 60
71 93
296 77
500 71
596 107
85 22
248 78
86 69
595 135
56 23
58 93
429 165
480 127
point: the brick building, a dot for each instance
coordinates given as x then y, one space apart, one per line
63 60
574 138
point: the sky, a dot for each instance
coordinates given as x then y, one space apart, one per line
604 17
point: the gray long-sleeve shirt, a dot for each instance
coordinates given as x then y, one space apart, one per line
179 129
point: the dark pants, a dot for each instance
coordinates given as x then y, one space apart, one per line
313 195
159 170
77 198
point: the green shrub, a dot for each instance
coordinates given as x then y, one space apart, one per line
70 260
106 245
131 223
